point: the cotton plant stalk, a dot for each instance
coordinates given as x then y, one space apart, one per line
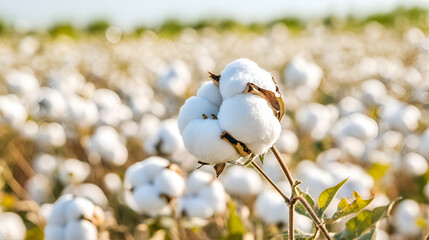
237 115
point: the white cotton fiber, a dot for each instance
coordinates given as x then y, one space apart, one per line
301 72
169 182
242 181
80 230
148 199
194 108
202 138
210 92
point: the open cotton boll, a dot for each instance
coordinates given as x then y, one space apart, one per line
45 210
29 129
45 164
57 216
148 125
249 119
51 105
352 146
39 188
175 78
51 135
82 112
315 180
349 105
148 198
315 119
129 129
405 218
112 182
67 80
237 74
73 171
107 145
202 138
271 208
300 72
78 208
215 195
52 232
12 112
111 109
11 227
392 140
80 230
423 146
356 125
210 92
145 171
196 181
374 92
242 181
193 109
331 155
415 164
197 207
170 183
166 140
287 142
400 116
89 191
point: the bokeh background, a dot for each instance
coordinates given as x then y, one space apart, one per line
89 88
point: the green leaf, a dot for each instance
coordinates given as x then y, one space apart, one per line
365 220
235 225
34 233
299 207
327 196
345 209
262 157
372 235
298 235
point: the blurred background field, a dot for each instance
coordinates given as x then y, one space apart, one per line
80 103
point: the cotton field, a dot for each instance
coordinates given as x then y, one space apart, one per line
95 143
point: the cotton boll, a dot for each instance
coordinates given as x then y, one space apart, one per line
170 183
400 116
23 84
202 138
106 144
349 105
271 208
144 172
197 207
111 109
331 155
67 80
215 195
12 112
148 125
45 164
11 226
356 125
82 112
57 217
52 232
242 181
303 223
301 72
374 92
287 142
352 146
148 199
80 230
392 140
89 191
51 105
194 108
29 129
238 73
315 180
78 208
45 210
210 92
106 98
39 188
166 141
73 171
196 181
405 218
112 182
51 135
129 129
175 79
415 164
249 119
315 119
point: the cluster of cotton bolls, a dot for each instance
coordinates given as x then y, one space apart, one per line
81 115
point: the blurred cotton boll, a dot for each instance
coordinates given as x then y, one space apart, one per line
74 219
73 171
300 72
51 105
400 116
405 218
374 92
175 78
106 145
356 125
39 187
271 208
349 105
151 184
23 84
423 146
415 164
12 226
287 142
82 112
111 110
12 112
315 119
89 191
113 183
241 181
50 135
166 140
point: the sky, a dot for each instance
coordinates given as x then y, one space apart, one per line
127 14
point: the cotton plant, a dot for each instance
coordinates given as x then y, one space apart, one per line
166 140
151 184
12 226
73 218
106 145
204 196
